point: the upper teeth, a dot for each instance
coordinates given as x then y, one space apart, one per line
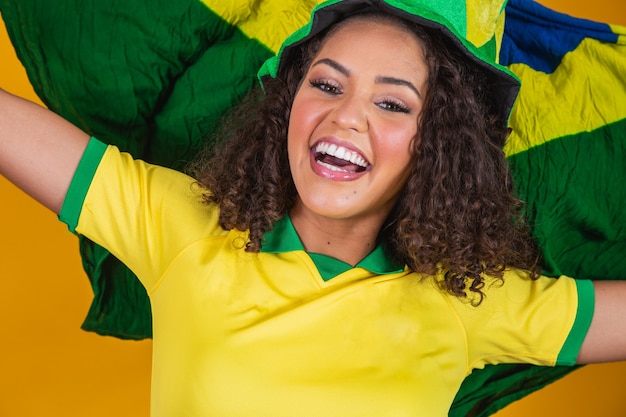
341 153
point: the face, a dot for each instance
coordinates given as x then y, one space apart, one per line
354 120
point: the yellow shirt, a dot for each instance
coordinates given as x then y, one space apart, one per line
265 335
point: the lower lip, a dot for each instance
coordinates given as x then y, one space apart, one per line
324 172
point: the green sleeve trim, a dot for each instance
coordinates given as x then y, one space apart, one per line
584 314
75 197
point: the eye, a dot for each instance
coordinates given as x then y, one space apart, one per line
394 106
325 86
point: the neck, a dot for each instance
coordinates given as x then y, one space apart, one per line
347 240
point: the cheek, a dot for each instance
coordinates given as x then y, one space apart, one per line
295 126
399 141
398 152
306 114
301 127
301 113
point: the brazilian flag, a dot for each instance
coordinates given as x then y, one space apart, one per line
155 77
566 152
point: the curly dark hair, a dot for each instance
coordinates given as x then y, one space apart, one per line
456 215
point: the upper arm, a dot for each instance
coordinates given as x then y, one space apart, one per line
39 150
536 321
143 214
606 338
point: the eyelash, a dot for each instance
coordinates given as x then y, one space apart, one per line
394 106
324 86
391 105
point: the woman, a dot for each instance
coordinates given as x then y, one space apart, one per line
355 282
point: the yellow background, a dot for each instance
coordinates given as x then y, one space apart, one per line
51 368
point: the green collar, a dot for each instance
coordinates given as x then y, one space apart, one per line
284 238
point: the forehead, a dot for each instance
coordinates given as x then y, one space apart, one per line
377 39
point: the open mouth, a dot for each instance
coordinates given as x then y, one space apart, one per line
338 158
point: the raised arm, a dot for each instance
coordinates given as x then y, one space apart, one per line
39 150
606 339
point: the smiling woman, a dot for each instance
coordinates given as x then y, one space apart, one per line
265 351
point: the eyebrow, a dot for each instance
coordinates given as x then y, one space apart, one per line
334 64
379 80
397 81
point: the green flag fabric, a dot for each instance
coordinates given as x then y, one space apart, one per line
155 77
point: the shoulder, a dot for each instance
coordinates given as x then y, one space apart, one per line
112 189
518 290
519 305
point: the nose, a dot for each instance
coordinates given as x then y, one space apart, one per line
351 113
